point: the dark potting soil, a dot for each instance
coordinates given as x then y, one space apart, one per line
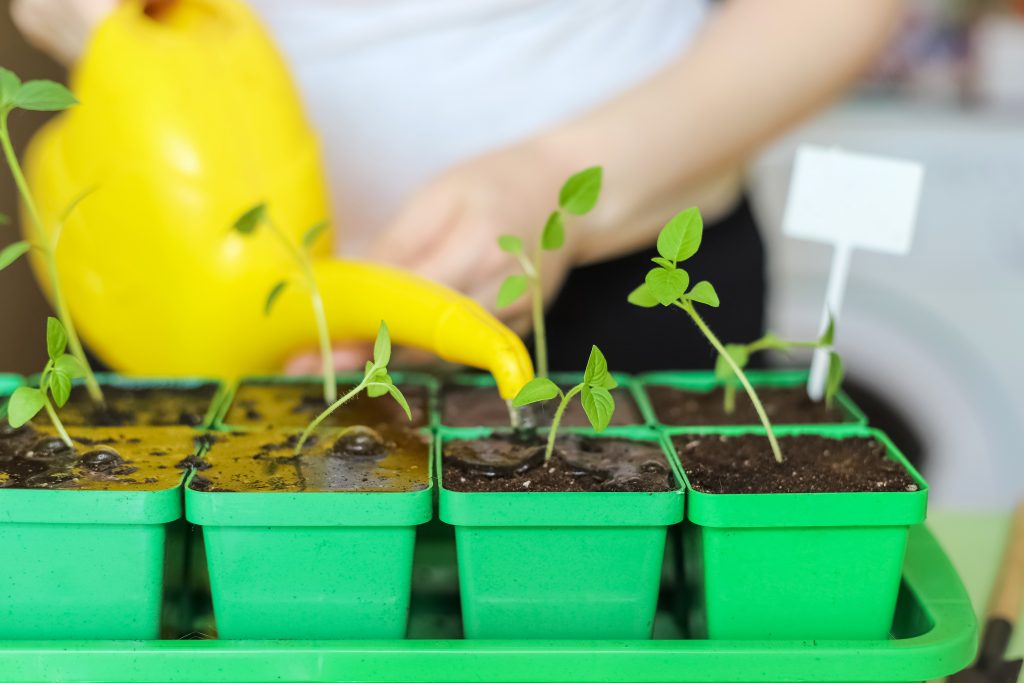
358 459
103 459
813 464
295 404
466 406
579 464
149 406
784 405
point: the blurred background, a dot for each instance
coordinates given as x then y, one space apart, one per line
933 341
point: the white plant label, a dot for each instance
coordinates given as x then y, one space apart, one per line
850 200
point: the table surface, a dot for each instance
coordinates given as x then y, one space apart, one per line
975 542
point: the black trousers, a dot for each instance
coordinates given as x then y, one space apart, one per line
592 306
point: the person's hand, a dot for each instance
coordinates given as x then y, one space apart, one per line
60 28
448 231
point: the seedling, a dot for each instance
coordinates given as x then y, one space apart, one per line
376 381
54 381
595 395
577 197
667 285
247 224
41 96
741 353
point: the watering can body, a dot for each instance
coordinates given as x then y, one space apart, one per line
186 121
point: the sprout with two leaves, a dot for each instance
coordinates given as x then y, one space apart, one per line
594 391
54 382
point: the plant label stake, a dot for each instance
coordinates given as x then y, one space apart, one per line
850 201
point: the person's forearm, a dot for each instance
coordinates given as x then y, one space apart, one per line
756 69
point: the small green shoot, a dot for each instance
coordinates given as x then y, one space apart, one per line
577 197
669 285
246 224
741 353
54 381
41 96
376 381
595 395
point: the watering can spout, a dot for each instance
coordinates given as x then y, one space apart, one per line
188 118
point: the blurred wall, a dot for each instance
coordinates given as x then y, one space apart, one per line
22 307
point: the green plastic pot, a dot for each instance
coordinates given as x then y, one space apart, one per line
84 564
8 383
703 381
797 565
486 381
316 565
559 565
241 422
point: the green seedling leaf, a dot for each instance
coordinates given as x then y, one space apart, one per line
829 334
310 237
667 286
596 373
400 399
680 238
664 263
12 252
510 244
56 338
704 293
24 404
580 192
9 85
599 406
553 236
382 347
70 366
251 219
511 289
643 297
835 378
43 96
739 355
60 388
272 295
537 389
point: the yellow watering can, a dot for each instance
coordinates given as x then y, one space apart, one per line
187 120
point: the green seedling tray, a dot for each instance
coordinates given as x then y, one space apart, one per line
84 564
703 381
796 565
8 383
399 377
933 635
486 381
559 565
310 564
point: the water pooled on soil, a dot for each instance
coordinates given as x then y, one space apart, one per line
103 459
295 404
143 406
579 463
360 459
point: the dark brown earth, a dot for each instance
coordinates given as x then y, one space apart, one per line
465 406
813 464
579 463
103 459
156 407
295 404
784 405
340 459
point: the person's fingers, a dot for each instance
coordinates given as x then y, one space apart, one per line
419 229
60 28
348 357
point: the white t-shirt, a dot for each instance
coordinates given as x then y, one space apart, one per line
400 90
